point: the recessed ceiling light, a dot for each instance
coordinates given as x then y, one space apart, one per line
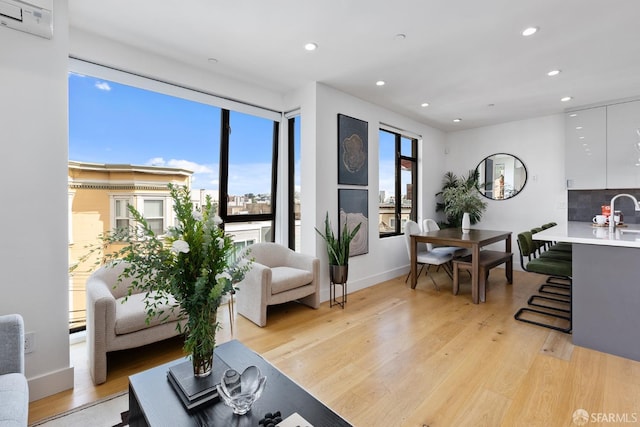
491 105
400 36
380 83
573 115
581 137
553 73
311 46
457 120
529 31
566 98
212 60
424 104
578 127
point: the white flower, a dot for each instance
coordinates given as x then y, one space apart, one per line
220 242
217 220
197 215
180 246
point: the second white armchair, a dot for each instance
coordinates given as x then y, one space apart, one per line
277 275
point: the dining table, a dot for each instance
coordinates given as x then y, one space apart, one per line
474 239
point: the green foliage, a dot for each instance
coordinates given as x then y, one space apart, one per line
460 195
190 268
338 247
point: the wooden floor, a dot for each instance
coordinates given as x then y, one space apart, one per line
401 357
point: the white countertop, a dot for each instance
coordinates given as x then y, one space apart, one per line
587 233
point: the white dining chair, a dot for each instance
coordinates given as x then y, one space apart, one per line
424 256
431 225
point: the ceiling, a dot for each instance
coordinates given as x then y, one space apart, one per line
466 58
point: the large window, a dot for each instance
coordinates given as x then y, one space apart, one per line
294 182
398 182
129 137
248 162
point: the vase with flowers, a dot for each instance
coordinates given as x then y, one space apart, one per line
190 268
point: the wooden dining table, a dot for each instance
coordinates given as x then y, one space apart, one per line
474 239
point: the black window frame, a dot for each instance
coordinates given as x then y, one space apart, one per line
413 215
225 132
291 215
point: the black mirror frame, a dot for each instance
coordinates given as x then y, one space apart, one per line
481 179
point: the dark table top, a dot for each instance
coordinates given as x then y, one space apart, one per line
162 407
455 236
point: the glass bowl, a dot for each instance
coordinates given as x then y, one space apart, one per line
239 391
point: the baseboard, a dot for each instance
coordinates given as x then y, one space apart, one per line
51 383
356 285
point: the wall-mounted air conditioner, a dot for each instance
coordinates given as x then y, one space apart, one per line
26 17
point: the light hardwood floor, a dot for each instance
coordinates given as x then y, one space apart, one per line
401 357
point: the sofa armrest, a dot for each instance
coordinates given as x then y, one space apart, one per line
11 344
101 324
101 306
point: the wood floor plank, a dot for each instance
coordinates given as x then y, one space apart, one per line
396 356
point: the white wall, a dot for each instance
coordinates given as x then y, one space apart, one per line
539 144
33 256
387 258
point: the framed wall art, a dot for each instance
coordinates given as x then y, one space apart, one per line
353 206
353 151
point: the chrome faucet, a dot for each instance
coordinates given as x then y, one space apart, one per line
612 218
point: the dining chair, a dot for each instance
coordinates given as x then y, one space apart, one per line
431 225
424 256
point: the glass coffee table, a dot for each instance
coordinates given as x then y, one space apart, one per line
153 401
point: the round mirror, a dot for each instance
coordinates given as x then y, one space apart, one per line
501 176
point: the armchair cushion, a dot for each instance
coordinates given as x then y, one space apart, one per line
131 316
287 278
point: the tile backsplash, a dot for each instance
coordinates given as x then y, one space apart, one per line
583 205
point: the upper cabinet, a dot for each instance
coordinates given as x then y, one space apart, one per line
602 147
623 145
586 149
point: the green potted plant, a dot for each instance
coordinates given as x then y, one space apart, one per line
190 268
459 196
338 249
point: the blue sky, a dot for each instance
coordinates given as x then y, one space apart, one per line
115 123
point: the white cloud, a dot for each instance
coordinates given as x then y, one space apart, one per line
103 86
156 161
189 165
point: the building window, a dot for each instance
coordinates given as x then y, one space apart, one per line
398 177
153 211
121 213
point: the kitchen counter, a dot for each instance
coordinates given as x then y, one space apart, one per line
627 236
605 290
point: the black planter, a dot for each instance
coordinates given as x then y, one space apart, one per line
338 273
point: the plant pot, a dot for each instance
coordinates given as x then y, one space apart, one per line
338 273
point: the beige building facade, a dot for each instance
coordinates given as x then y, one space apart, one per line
98 199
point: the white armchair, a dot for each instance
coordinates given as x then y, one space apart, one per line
277 275
113 325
